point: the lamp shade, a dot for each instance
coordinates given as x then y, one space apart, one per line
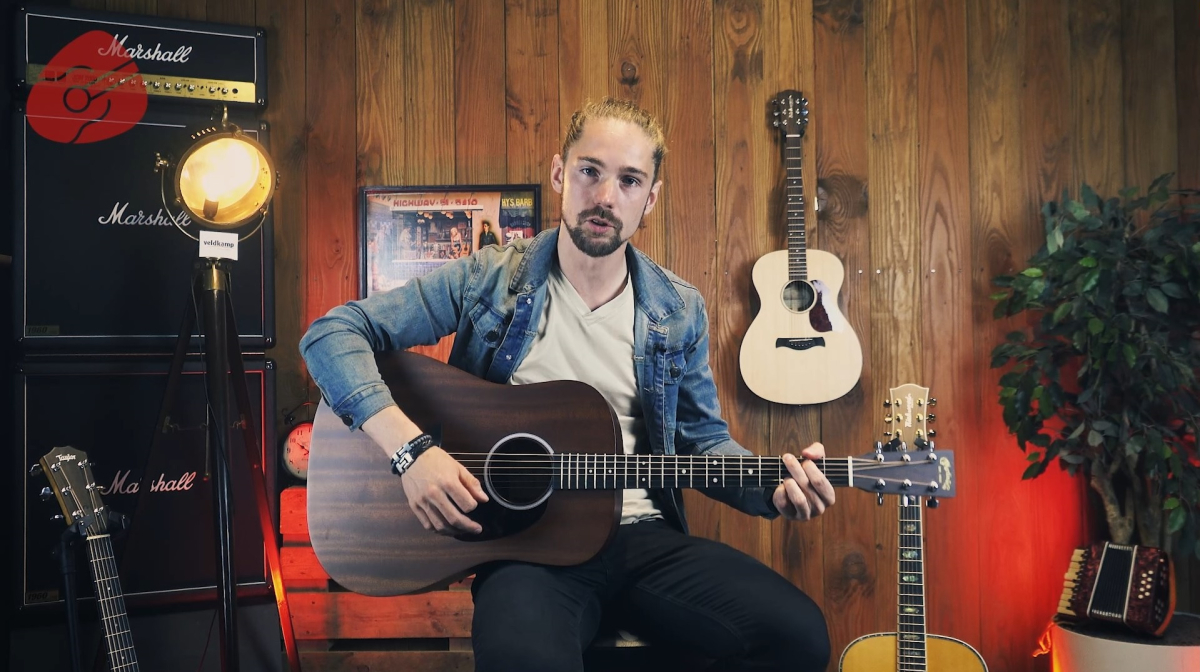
225 180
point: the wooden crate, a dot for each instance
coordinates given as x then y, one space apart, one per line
340 631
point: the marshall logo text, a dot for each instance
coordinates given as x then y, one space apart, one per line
121 484
118 216
118 48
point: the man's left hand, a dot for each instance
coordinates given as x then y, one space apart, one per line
806 493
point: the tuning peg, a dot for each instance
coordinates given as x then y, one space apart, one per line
933 402
932 502
932 433
931 417
879 446
46 494
36 469
879 499
887 419
887 403
57 516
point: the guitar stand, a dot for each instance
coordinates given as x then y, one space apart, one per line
65 551
211 304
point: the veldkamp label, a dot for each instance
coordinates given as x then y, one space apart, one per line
218 245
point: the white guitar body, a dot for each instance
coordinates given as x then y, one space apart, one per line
784 357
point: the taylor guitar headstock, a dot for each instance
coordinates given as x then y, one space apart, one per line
789 110
907 414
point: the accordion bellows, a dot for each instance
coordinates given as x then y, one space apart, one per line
1117 583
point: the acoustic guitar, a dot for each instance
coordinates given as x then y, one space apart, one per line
550 457
799 349
910 648
70 476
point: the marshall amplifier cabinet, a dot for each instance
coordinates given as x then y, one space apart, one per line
109 411
73 59
100 265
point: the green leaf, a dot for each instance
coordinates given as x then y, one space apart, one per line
1032 471
1062 311
1095 326
1171 503
998 296
1033 457
1094 438
1090 280
1157 300
1130 355
1078 430
1088 262
1173 290
1032 272
1103 425
1077 210
1090 199
1176 520
1073 458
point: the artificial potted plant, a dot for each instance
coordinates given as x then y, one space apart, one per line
1103 381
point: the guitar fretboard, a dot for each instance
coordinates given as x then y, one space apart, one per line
797 243
110 602
910 653
578 471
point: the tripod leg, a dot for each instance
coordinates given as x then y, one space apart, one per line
261 494
213 286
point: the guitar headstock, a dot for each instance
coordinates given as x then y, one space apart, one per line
907 417
70 476
789 110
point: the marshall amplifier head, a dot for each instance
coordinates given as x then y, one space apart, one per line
99 263
109 410
69 58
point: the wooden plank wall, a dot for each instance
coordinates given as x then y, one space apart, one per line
938 127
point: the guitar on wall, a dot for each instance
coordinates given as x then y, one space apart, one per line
799 349
910 648
70 476
549 456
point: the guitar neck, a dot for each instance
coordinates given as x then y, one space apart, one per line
580 471
797 238
110 603
910 652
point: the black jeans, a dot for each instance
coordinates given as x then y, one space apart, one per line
689 592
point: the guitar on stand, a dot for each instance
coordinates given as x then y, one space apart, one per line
72 484
800 348
910 648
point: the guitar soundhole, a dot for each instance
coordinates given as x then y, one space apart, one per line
519 472
799 296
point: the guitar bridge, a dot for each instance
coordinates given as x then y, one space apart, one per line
800 343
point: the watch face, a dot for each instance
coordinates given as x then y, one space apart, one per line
295 450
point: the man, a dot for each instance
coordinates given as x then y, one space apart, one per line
486 237
578 302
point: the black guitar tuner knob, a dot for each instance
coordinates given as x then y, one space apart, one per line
879 499
932 433
36 469
931 417
46 494
932 502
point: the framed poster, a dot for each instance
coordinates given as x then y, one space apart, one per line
407 232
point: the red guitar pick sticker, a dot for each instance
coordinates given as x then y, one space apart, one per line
90 91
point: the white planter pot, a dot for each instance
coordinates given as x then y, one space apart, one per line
1081 649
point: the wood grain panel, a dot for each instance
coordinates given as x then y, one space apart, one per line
851 561
583 56
952 569
445 613
1147 43
284 23
1187 82
193 10
896 348
1001 239
330 119
1096 94
479 140
636 72
747 162
381 93
531 95
236 12
145 7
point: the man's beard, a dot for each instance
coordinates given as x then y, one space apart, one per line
597 245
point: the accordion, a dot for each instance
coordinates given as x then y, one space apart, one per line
1116 583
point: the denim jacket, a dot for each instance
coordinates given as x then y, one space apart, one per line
492 302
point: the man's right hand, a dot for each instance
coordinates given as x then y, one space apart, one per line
441 491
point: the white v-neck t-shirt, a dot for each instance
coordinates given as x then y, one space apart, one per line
595 347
